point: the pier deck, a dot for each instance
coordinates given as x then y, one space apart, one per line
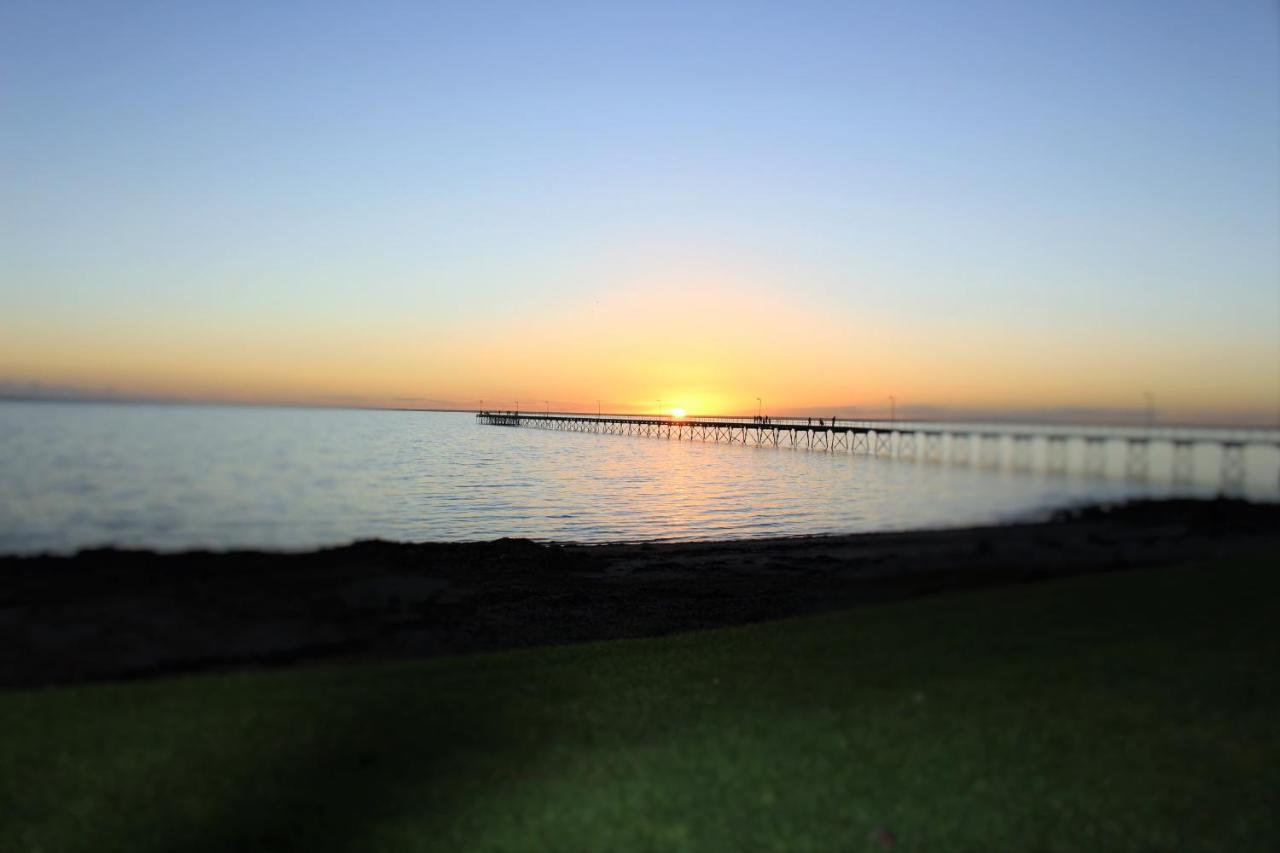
1054 448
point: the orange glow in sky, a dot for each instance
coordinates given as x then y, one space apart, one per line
699 346
604 208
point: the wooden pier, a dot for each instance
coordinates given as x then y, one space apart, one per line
1020 447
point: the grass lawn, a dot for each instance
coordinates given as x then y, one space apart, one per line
1135 711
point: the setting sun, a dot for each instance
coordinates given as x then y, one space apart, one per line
677 413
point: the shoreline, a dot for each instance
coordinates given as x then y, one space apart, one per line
109 614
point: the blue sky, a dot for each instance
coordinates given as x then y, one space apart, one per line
207 176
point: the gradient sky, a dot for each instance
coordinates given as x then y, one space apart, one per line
1012 206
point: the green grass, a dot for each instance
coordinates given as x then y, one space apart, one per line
1135 711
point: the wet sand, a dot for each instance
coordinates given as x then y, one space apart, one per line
115 614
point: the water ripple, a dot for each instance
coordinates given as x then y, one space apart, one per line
77 475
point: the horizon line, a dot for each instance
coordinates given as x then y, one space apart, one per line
1084 415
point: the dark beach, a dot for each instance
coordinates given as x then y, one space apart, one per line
114 614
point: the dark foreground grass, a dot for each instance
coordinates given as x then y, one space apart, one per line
1134 711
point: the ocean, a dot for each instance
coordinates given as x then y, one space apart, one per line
174 477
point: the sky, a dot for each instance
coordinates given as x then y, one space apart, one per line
971 207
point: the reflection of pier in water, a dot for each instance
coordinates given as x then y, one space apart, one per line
1055 449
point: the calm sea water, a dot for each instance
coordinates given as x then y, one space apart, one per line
173 477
